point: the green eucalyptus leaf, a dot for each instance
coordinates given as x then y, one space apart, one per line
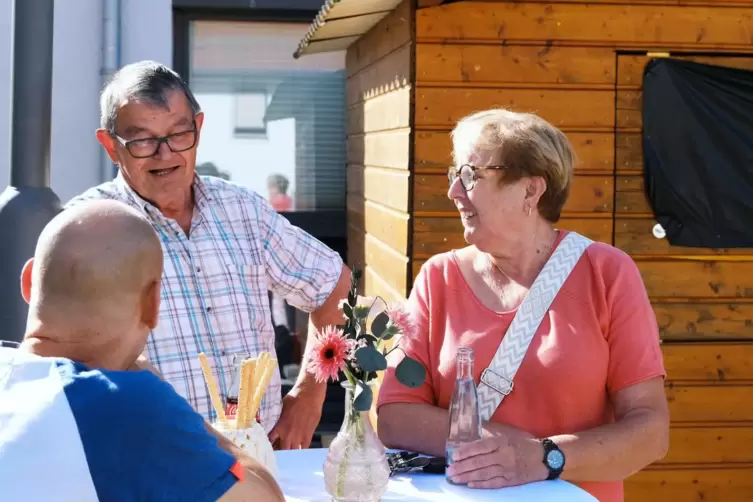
390 332
363 397
352 298
347 311
379 324
410 372
370 359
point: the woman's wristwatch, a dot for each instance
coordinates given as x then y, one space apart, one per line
554 459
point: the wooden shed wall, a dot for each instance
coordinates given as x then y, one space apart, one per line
566 61
379 95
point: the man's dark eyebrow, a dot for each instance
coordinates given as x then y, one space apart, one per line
183 121
133 130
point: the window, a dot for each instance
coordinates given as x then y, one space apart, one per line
272 123
250 110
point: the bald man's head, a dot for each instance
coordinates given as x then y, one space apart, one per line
95 274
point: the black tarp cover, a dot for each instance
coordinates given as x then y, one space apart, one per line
698 152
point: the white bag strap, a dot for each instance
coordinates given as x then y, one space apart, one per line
497 379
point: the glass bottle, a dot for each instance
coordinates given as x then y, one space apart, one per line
231 400
465 417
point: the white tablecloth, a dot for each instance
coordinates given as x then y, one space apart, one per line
302 480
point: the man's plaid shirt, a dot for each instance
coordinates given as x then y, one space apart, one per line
215 284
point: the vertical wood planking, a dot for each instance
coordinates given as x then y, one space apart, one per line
379 91
380 133
559 59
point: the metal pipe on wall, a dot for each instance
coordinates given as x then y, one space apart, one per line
111 50
28 203
31 104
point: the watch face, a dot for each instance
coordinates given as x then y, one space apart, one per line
555 459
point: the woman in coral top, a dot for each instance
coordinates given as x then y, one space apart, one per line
590 387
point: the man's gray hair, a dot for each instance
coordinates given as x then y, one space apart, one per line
149 82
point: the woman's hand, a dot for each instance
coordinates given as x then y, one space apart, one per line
498 461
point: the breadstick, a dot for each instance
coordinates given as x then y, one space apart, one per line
249 394
260 364
244 393
214 394
269 367
252 382
239 413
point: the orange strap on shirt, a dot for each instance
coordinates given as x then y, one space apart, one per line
238 471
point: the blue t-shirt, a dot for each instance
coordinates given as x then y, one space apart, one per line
140 440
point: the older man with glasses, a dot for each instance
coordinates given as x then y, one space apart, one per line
224 248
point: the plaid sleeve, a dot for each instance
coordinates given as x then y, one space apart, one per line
95 193
300 268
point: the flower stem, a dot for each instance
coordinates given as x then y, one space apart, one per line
349 376
397 346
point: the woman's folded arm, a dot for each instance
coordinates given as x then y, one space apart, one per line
417 427
427 428
638 437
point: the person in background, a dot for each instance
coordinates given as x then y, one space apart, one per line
587 402
78 419
277 185
224 248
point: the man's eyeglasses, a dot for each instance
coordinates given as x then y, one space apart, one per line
468 174
149 147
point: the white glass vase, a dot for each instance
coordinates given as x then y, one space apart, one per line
356 468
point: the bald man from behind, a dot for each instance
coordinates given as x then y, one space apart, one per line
75 424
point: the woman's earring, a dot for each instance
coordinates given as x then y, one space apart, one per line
529 210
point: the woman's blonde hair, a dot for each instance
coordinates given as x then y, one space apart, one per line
526 145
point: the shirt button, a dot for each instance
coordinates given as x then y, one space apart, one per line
198 269
209 309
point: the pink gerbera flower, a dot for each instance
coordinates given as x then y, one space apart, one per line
329 354
401 320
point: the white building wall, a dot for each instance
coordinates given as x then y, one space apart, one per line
146 33
76 61
147 30
5 88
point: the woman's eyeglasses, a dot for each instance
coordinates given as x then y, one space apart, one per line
468 174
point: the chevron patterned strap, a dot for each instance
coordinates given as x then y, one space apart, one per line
497 379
